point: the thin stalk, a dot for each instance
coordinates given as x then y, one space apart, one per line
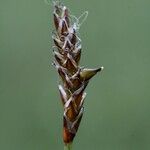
68 147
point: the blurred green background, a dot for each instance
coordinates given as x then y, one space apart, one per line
117 108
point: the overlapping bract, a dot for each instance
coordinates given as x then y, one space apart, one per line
74 78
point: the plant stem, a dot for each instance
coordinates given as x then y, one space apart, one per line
68 147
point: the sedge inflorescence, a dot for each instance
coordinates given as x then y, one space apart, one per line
67 53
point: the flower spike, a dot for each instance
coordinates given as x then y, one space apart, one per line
74 78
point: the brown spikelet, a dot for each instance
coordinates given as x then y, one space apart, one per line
74 78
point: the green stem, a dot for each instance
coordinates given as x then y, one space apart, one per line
68 147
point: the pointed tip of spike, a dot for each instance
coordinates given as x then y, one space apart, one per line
100 69
96 70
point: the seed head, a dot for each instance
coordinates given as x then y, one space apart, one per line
74 78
